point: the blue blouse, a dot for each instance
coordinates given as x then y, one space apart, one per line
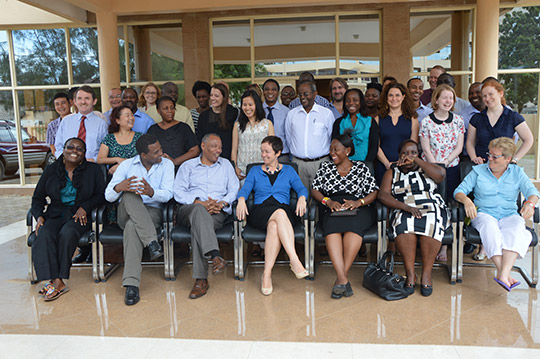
497 197
68 194
505 127
259 182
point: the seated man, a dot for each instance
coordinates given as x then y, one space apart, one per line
144 182
206 186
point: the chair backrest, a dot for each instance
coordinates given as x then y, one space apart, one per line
441 187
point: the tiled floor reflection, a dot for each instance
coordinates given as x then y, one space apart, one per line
475 313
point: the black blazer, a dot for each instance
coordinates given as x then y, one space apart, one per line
88 180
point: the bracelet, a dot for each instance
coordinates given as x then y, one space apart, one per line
362 201
529 202
325 200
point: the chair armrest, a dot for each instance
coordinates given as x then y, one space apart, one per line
453 206
29 218
312 210
461 212
100 212
536 216
379 207
171 205
94 215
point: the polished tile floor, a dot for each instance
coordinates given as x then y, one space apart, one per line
476 312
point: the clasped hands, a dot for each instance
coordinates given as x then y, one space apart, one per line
346 205
132 184
213 206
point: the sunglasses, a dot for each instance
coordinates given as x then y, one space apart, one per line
76 148
495 157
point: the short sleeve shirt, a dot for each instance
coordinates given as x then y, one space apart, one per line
118 150
358 182
442 136
176 140
505 127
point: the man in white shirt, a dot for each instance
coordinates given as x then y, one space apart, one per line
308 129
276 113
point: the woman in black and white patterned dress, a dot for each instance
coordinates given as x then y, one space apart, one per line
420 214
344 185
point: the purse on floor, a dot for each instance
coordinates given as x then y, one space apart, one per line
380 279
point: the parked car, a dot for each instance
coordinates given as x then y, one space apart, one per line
35 153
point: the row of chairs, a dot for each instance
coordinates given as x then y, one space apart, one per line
308 232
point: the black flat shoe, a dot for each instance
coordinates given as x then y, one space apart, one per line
155 250
84 255
426 290
132 295
409 288
339 291
348 291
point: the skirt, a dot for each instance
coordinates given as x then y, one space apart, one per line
359 223
261 213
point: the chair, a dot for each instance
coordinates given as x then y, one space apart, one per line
470 234
182 234
449 238
87 238
248 234
372 236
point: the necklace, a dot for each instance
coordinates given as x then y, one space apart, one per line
272 172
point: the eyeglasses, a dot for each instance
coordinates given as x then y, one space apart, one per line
495 157
115 96
76 148
287 93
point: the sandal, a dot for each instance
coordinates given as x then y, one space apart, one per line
45 288
479 256
53 293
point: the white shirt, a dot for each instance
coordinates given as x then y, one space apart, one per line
309 134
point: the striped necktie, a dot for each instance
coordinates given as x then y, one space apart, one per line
82 130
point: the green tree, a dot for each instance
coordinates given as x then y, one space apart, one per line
519 47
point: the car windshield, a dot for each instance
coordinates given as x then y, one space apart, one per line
24 135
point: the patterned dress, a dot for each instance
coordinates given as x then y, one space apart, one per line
415 189
249 144
358 183
118 150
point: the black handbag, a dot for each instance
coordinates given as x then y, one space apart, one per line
380 279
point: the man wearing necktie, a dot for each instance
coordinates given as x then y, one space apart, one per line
85 124
276 113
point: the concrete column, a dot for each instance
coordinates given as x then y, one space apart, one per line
109 62
397 60
487 38
143 60
460 50
196 47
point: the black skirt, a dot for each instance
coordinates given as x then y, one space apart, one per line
359 223
261 213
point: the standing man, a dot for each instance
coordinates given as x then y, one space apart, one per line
276 113
206 204
338 87
308 129
415 86
476 104
145 183
434 74
287 95
319 100
142 120
181 114
63 109
115 100
85 124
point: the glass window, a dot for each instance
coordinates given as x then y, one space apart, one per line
5 76
40 57
290 46
9 161
519 38
84 55
359 44
231 47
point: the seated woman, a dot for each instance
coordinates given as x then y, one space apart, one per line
178 142
119 144
272 183
75 187
419 214
496 186
364 129
344 185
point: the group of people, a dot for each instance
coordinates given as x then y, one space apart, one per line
156 150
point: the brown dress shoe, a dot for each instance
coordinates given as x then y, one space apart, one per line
218 265
199 289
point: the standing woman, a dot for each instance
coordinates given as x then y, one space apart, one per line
363 128
272 183
119 144
344 185
248 133
496 121
149 95
396 115
75 187
219 119
201 92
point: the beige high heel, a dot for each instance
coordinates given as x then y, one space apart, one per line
299 275
265 291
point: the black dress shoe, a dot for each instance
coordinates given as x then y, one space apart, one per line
468 248
132 295
426 290
85 253
155 250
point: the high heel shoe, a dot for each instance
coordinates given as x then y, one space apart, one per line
301 274
265 291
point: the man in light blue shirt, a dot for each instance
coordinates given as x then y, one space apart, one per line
338 87
144 183
276 113
415 86
115 100
206 187
142 120
85 124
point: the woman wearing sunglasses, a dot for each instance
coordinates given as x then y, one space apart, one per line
75 187
494 212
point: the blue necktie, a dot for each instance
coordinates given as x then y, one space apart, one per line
270 116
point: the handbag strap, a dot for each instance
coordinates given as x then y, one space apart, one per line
382 262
